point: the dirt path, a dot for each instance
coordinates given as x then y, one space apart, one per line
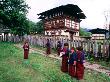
87 65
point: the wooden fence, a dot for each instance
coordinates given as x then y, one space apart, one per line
97 49
14 39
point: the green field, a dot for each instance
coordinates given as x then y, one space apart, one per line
13 68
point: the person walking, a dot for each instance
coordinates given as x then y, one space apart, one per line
65 55
26 49
80 63
48 47
59 46
72 63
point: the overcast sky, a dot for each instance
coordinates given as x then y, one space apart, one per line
93 9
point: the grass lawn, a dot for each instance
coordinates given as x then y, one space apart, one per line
13 68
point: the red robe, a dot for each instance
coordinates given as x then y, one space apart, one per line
64 67
48 50
58 51
79 65
26 51
72 68
59 48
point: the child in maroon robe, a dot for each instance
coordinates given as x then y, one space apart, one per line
48 50
65 56
72 63
79 64
26 50
59 46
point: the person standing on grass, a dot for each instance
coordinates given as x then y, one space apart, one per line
65 55
26 49
72 63
59 46
80 63
48 47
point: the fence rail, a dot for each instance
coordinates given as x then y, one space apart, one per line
98 49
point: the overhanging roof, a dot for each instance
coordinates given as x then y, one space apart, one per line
98 31
69 9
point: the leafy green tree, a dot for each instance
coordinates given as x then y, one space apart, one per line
39 27
84 33
32 27
13 15
36 27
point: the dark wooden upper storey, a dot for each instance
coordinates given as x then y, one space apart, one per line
98 31
70 10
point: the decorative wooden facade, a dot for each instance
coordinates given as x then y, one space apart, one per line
62 21
98 34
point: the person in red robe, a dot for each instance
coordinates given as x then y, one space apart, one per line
65 56
48 47
26 50
72 63
80 63
59 46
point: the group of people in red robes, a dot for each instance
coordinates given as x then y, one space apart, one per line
73 61
48 47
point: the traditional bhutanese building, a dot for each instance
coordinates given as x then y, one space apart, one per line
99 34
63 21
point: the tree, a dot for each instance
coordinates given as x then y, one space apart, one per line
32 27
36 27
82 32
13 15
39 27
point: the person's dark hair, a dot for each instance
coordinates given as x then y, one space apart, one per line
66 44
59 41
26 41
80 48
48 40
77 48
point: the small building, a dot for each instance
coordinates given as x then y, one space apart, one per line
98 34
62 21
